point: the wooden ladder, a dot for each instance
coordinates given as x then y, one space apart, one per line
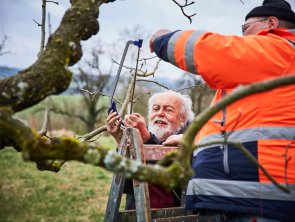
131 146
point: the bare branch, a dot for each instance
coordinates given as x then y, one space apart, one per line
36 22
152 73
182 9
46 122
286 162
66 113
201 85
227 135
96 138
49 25
155 82
140 95
98 93
43 28
134 82
122 112
94 133
52 2
145 59
140 72
2 45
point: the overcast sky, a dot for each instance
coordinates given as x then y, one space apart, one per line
16 21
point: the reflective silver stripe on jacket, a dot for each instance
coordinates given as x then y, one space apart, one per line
189 49
171 47
251 134
291 30
239 189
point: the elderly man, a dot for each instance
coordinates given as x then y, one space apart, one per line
226 183
168 115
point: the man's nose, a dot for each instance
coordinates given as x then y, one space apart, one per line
160 112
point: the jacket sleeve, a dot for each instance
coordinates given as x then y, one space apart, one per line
226 61
162 43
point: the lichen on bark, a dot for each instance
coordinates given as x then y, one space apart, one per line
50 74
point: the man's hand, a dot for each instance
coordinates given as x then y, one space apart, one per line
173 140
113 123
135 120
156 35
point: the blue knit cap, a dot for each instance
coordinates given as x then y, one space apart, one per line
278 8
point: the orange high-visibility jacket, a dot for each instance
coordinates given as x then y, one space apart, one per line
225 179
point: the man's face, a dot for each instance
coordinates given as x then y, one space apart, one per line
165 117
254 25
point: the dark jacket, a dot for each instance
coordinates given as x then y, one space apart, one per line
159 197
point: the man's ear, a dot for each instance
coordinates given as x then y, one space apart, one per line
273 22
182 119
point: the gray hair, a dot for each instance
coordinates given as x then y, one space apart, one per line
286 24
282 23
186 102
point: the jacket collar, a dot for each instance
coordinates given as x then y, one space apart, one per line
282 32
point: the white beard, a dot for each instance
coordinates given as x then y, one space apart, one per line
162 132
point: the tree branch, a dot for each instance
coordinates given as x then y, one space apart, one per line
46 122
155 82
94 94
43 27
201 85
66 113
182 9
52 2
63 50
287 159
2 45
36 148
92 134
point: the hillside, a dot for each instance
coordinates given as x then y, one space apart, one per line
173 84
7 71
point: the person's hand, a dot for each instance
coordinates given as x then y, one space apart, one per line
173 140
156 35
113 123
135 120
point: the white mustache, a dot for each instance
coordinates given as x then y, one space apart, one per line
160 119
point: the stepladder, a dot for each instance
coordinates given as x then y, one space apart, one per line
132 147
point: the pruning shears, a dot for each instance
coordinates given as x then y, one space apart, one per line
112 103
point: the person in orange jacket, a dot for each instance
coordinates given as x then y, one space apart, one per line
226 183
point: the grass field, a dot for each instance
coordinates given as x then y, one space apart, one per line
73 104
78 192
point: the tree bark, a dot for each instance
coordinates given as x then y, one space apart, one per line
49 74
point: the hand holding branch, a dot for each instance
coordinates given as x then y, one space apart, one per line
137 121
113 123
